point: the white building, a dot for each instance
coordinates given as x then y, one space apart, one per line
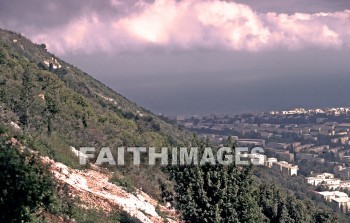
270 162
326 179
340 199
329 195
286 168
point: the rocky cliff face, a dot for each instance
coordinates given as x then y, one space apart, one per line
91 187
95 191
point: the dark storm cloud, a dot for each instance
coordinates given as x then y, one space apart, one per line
301 6
115 25
43 13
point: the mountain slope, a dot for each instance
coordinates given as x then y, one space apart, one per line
55 105
75 95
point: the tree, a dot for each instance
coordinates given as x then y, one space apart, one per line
279 207
52 109
2 57
214 193
51 67
25 185
324 217
25 98
43 46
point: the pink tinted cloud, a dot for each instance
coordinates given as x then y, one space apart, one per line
191 24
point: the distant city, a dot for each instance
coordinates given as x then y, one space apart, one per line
315 142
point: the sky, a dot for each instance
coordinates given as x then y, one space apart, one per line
200 56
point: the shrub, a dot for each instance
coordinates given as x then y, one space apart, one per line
123 182
25 185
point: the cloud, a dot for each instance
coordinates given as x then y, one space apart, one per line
188 24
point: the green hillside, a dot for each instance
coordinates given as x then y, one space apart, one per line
55 102
56 105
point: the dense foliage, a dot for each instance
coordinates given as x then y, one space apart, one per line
219 193
293 191
280 207
214 193
25 184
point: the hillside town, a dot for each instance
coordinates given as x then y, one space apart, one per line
306 140
318 135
